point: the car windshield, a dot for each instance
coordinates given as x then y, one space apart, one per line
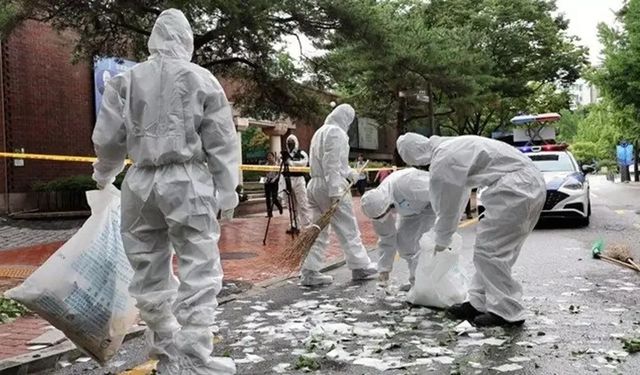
553 162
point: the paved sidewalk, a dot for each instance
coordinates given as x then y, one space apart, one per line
243 260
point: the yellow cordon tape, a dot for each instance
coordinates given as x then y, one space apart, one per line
87 159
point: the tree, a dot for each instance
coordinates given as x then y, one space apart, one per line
478 58
234 38
619 76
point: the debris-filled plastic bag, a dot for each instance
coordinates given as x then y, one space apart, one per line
440 281
83 288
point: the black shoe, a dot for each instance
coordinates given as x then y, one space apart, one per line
493 320
463 311
293 231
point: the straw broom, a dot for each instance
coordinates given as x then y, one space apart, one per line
293 256
621 253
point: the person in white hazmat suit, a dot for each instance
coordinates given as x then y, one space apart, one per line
513 200
297 158
400 209
173 120
330 176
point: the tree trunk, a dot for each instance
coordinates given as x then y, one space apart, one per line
400 126
432 127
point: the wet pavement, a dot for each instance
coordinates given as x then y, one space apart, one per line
579 312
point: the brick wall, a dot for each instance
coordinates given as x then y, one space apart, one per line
48 103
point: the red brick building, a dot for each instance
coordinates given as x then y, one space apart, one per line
47 107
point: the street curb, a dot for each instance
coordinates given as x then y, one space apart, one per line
48 358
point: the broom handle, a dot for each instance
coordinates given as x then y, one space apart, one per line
620 263
634 264
348 189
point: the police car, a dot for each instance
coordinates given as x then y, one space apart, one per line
567 185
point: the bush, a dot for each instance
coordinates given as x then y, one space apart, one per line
72 184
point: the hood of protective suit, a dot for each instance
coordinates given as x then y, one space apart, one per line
293 138
172 36
342 116
375 202
416 149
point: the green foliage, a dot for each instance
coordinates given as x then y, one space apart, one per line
479 57
631 345
254 142
233 38
594 131
619 76
10 310
307 363
9 16
69 184
567 126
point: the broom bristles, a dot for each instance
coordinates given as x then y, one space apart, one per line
293 255
619 252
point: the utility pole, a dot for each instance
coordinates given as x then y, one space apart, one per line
401 118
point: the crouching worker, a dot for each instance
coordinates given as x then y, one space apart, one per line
401 213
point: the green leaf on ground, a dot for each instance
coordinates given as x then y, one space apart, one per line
631 345
10 310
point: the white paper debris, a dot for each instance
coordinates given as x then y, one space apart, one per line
37 347
518 359
616 310
339 354
376 363
464 328
444 360
507 368
281 368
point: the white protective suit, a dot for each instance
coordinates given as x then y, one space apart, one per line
173 120
407 193
298 158
513 200
329 162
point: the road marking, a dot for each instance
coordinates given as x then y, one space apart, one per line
620 212
148 367
594 195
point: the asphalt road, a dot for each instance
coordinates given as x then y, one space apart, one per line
580 310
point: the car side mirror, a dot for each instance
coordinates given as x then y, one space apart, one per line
586 169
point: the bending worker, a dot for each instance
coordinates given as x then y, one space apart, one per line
330 172
401 212
513 200
173 120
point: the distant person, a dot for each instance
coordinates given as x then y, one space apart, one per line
624 152
361 183
382 174
271 186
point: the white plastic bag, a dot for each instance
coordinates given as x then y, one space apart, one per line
83 288
439 281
